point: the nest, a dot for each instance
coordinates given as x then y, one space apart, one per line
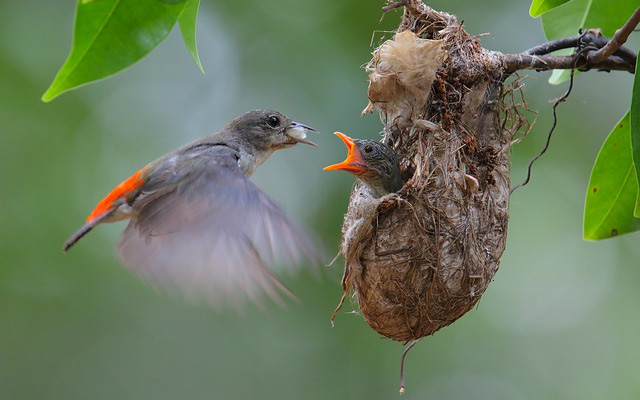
419 259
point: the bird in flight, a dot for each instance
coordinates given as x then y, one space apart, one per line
198 226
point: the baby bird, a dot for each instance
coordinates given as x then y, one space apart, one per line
374 163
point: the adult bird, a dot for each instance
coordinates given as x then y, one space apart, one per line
197 224
373 163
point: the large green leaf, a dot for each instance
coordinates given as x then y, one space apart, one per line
613 188
539 7
187 22
635 130
567 19
110 35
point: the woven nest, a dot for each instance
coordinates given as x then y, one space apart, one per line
419 259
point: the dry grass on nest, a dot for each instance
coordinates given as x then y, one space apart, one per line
514 110
419 259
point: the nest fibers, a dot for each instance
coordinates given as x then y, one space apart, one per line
419 259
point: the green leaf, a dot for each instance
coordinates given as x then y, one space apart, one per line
187 22
539 7
559 76
635 131
568 18
109 36
613 188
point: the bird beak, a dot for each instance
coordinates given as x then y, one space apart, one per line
297 132
354 158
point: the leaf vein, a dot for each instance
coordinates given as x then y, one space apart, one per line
93 40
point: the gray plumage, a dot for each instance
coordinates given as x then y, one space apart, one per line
382 170
373 163
199 227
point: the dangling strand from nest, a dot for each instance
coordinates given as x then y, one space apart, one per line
404 354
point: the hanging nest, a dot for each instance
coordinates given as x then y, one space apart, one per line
419 259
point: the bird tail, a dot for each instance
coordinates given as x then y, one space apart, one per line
86 228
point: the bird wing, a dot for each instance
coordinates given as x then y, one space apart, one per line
204 230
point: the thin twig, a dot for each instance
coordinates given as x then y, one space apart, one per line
393 6
619 38
555 121
554 45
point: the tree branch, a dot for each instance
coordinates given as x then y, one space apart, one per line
516 62
554 45
591 37
538 58
619 38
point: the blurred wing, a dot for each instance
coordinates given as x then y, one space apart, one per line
210 234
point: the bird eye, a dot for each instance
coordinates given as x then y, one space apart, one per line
273 121
368 149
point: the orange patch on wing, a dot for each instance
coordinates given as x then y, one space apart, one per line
123 189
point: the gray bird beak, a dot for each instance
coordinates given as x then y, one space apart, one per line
298 133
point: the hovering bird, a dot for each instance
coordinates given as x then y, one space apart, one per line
198 226
374 163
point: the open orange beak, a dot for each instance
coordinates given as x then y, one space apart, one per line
354 160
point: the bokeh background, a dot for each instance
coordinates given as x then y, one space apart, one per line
560 321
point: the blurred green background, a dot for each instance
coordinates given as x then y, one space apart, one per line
560 321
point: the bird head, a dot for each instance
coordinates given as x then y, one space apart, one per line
374 163
264 131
